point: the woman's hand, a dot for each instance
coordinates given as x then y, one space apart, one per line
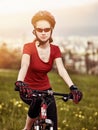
77 95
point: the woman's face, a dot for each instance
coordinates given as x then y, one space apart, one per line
43 30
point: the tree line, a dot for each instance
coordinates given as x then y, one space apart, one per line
9 58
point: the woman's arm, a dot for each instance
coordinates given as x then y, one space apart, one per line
62 71
24 67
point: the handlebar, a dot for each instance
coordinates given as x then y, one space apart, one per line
50 92
41 93
64 96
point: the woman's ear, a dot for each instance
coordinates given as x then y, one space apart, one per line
33 32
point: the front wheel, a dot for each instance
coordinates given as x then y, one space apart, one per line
51 128
37 127
43 125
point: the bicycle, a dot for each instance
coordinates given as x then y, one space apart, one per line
42 122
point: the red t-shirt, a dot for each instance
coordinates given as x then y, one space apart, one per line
36 75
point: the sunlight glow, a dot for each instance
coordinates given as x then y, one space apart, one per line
16 6
15 16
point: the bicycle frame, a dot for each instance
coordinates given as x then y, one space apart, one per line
42 121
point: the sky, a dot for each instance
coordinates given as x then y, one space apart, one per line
17 6
73 17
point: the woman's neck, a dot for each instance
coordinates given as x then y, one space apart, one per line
45 45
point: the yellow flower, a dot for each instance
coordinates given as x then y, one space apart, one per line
83 129
64 121
94 128
96 113
26 108
76 115
90 118
67 125
0 106
19 105
80 116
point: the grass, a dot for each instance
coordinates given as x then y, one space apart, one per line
82 116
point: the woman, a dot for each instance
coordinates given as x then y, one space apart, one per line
37 60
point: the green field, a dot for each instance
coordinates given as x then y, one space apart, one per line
82 116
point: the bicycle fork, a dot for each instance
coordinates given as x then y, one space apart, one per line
41 123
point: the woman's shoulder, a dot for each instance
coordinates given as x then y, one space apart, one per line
28 47
54 45
29 44
55 50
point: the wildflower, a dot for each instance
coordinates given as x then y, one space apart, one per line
76 115
83 117
94 128
0 106
80 116
19 105
26 108
96 113
90 118
16 103
67 125
64 121
61 108
83 128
